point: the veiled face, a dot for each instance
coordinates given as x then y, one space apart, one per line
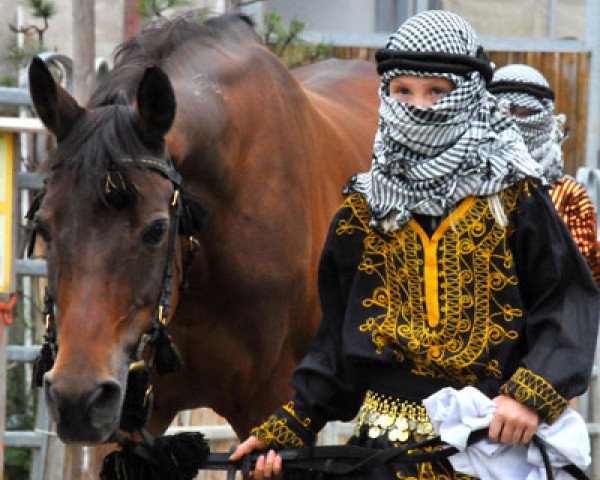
419 91
522 112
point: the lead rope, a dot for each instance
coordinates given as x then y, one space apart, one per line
181 458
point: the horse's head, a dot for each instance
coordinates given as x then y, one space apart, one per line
108 218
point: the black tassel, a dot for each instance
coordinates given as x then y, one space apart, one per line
42 363
176 457
167 358
193 219
138 400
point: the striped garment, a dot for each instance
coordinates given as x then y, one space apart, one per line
577 211
542 131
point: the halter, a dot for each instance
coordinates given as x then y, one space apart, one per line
164 355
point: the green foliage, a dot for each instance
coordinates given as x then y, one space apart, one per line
286 43
42 9
203 15
154 8
20 57
8 81
17 463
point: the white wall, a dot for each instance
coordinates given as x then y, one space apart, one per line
350 16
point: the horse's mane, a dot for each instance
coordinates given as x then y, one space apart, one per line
161 39
110 131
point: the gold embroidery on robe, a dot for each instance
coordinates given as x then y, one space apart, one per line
436 300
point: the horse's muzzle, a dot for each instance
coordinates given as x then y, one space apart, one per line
88 414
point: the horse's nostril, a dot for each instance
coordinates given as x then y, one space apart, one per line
52 399
104 402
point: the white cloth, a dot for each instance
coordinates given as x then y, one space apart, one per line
456 413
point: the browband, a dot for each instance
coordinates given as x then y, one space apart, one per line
508 86
164 167
434 62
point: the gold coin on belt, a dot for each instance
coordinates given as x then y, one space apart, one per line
422 429
385 421
375 432
401 423
428 428
397 435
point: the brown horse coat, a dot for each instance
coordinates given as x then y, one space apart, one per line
266 151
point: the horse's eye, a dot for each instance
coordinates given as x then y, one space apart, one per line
155 232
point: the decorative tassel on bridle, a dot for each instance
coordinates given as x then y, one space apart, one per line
177 457
45 359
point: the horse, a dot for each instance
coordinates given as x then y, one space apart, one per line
207 113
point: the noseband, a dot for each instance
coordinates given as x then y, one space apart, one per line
163 354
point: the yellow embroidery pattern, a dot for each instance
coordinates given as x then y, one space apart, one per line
426 471
289 408
531 389
276 432
436 302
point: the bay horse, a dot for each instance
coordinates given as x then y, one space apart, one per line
263 150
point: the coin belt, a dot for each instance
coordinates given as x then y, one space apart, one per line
401 421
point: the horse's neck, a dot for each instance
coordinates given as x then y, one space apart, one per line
223 126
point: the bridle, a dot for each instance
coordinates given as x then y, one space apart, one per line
161 352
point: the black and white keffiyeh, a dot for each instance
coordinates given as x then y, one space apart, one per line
542 131
427 159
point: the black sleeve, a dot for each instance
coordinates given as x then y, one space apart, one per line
562 307
324 385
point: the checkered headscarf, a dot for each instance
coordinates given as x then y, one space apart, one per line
543 131
426 160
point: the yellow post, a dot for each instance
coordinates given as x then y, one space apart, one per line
6 211
6 258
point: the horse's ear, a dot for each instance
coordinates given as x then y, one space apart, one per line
56 108
156 102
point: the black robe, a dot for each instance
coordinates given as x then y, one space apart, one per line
508 310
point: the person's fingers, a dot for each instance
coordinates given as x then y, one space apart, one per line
495 429
249 445
507 432
528 434
530 428
269 462
259 469
278 465
517 436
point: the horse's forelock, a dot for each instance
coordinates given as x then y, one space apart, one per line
94 152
